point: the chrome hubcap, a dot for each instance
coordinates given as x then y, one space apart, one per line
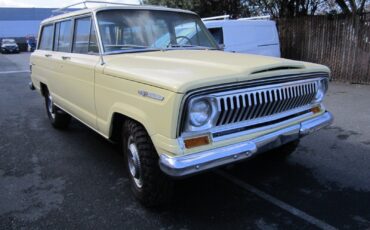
134 163
51 106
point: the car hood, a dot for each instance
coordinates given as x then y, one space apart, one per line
184 70
9 45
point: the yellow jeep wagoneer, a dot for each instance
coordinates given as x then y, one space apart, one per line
154 80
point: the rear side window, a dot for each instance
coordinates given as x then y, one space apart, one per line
218 34
63 36
46 40
85 39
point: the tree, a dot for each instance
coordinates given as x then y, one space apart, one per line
275 8
184 4
207 8
352 6
286 8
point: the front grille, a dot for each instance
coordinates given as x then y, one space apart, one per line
259 102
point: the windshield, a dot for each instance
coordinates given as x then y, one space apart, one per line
8 41
141 30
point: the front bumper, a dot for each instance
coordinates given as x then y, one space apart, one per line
197 162
9 50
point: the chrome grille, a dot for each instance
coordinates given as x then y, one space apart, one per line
259 102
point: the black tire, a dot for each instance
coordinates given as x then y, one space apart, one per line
284 151
58 118
148 183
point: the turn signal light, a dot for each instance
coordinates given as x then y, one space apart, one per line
316 109
196 142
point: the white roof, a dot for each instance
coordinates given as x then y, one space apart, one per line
214 23
102 8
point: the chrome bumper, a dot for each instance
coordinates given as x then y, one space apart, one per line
197 162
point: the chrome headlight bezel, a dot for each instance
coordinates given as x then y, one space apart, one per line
322 88
209 103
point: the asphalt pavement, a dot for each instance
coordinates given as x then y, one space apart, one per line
75 179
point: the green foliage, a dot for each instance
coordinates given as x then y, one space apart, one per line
275 8
207 8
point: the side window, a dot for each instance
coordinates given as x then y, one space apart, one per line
46 40
218 34
84 37
63 36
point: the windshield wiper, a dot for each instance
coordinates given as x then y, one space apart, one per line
120 51
190 46
125 46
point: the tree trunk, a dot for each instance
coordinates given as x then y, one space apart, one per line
342 4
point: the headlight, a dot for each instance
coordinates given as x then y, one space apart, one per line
201 114
322 88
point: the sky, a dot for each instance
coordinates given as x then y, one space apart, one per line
50 3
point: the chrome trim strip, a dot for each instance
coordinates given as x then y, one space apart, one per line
197 162
98 37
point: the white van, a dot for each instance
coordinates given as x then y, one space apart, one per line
246 35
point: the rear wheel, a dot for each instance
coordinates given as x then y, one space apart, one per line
148 183
58 118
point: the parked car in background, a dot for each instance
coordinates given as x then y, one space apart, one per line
154 80
8 45
257 35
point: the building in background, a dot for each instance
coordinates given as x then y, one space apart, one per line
20 18
22 22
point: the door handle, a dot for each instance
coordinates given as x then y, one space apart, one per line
48 55
66 58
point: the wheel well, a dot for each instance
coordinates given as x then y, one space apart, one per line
43 88
117 124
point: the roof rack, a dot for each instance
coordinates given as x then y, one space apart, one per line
227 17
224 17
256 18
84 3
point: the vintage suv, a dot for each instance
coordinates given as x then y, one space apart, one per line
154 80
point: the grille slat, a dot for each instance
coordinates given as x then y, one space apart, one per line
230 110
273 103
241 110
284 100
293 98
259 103
254 105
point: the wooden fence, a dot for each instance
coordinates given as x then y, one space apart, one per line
342 43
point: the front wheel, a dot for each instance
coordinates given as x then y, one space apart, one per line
58 118
148 183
